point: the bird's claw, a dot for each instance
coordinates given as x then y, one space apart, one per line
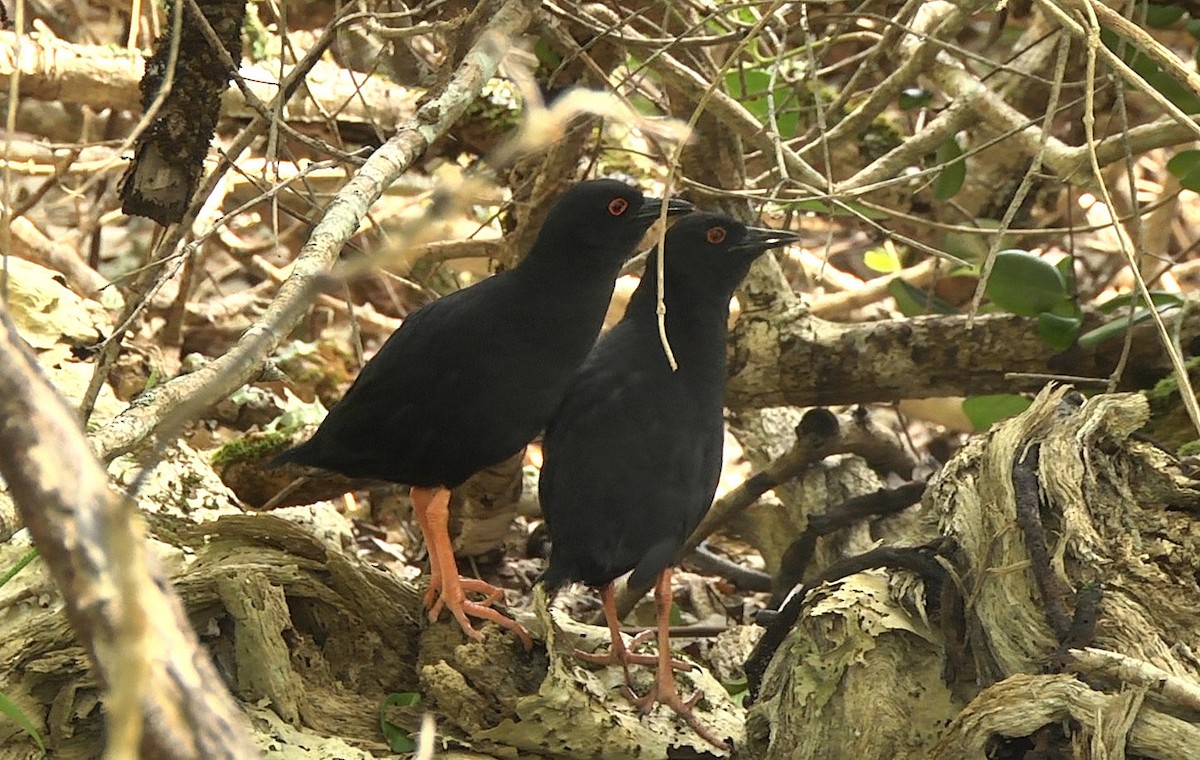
452 594
681 707
433 594
624 655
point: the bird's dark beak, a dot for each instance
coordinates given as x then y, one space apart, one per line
759 239
652 208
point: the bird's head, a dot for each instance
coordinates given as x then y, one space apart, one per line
716 250
604 217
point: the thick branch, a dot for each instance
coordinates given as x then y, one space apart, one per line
1021 704
102 77
804 361
160 685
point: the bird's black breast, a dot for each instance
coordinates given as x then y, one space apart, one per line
632 459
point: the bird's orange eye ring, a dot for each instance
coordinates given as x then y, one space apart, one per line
715 235
618 206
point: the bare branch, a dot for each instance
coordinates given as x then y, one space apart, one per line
162 687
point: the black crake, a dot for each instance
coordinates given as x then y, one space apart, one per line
469 379
633 455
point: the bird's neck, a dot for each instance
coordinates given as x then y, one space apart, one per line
550 279
575 264
696 322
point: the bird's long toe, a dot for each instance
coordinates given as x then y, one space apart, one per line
684 709
451 594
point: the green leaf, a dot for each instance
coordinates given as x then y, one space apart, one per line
1185 165
1162 16
547 58
676 617
9 709
973 246
750 88
985 411
1057 331
1024 284
882 259
1179 95
954 171
25 559
397 738
912 301
1118 326
1157 297
914 97
1066 267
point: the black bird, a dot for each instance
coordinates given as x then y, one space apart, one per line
632 458
471 378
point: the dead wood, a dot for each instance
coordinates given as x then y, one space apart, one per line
163 697
1115 514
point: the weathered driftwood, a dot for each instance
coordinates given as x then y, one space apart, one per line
312 639
863 675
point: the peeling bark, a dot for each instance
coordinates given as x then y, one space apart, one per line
1117 515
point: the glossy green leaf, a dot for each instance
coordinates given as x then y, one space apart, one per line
1024 284
974 246
1179 95
10 710
1066 267
750 88
1185 165
1118 326
1157 297
843 209
1162 16
914 97
912 301
397 738
985 411
954 170
1057 331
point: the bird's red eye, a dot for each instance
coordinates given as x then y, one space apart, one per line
617 206
715 234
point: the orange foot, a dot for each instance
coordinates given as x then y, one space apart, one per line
446 588
664 690
620 653
666 693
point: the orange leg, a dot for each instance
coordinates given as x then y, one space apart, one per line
619 652
446 588
664 690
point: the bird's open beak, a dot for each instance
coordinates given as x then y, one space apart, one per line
759 239
652 208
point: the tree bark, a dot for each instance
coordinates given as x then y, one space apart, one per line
163 697
1061 531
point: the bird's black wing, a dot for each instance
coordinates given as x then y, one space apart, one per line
407 413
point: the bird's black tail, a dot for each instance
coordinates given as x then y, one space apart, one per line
297 454
556 576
